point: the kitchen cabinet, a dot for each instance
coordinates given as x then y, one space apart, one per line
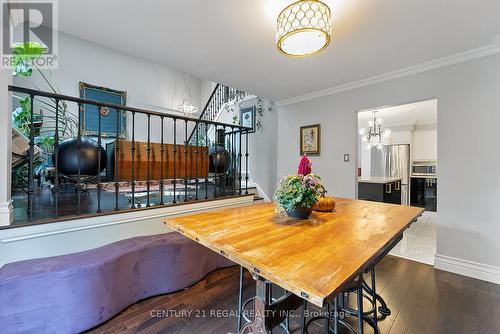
392 192
425 144
380 190
423 193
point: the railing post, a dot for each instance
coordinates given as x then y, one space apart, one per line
132 151
216 163
246 163
117 152
217 104
148 152
99 141
197 153
186 160
31 153
233 158
56 162
239 163
174 181
162 152
207 164
78 156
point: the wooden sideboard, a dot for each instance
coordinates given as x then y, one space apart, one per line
188 166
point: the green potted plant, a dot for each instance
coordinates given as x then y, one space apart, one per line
21 118
45 109
297 194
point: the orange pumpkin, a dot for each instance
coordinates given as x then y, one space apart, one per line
325 204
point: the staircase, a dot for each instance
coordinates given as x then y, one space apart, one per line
218 98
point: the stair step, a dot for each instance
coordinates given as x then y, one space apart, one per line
251 190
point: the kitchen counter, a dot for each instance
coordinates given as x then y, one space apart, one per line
381 180
424 176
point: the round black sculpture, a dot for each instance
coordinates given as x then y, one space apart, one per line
219 160
68 157
218 157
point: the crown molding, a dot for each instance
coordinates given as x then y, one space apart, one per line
480 52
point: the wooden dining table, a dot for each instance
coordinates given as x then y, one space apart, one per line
312 259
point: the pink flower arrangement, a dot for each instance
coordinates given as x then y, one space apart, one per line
302 189
304 166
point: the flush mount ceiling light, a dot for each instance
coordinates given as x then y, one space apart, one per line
303 28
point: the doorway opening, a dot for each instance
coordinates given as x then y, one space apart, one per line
397 163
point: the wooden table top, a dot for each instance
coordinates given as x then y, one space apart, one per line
312 258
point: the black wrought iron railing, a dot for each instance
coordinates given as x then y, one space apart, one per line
220 95
112 172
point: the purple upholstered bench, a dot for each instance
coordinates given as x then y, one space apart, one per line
75 292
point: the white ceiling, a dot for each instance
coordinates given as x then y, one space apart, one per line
232 41
419 113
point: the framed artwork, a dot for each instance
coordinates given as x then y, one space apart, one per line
112 121
247 118
310 139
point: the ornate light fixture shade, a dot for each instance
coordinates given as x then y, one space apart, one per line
187 108
304 28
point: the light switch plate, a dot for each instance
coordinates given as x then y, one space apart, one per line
346 157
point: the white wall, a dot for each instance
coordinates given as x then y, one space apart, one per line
148 85
338 133
263 153
262 147
468 97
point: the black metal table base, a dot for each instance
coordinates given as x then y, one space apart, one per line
330 319
269 312
374 314
383 310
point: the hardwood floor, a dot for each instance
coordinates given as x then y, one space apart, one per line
422 300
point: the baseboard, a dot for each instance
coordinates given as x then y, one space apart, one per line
431 263
262 193
480 271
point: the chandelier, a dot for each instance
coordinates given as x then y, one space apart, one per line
373 135
187 108
303 28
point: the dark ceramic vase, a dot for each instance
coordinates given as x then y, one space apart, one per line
89 164
219 159
218 156
299 212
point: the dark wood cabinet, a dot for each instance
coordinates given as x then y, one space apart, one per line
392 192
423 193
389 192
190 165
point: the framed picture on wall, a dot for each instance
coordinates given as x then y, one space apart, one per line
310 139
247 118
113 122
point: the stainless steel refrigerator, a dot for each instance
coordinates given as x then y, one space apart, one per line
393 161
